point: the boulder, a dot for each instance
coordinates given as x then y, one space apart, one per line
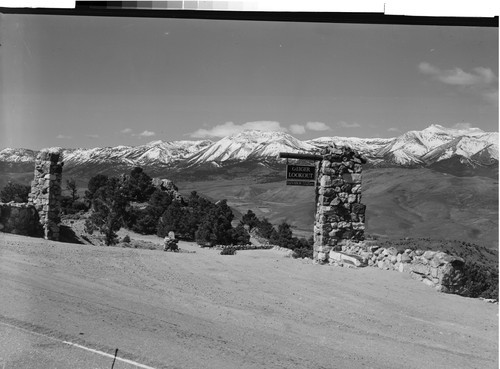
341 257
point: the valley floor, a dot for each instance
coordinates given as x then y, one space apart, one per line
255 309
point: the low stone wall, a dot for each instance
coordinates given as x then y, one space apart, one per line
20 218
437 269
243 247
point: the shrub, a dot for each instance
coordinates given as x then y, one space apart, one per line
480 281
228 251
303 252
126 239
15 192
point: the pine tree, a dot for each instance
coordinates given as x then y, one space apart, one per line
15 192
71 187
138 185
108 206
94 184
265 228
250 219
216 227
240 235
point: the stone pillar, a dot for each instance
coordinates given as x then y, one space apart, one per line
339 213
46 192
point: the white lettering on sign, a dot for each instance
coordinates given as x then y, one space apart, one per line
300 173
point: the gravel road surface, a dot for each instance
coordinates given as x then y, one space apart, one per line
255 309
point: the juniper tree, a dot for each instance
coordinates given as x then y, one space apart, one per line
15 192
109 203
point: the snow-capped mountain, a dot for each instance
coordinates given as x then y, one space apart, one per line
472 147
17 155
250 145
158 152
369 146
437 143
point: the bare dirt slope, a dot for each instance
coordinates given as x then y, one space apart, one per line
255 309
400 203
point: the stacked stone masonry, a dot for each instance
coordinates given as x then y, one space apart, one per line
437 269
19 218
340 215
45 193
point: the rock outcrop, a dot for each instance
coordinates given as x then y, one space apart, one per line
168 186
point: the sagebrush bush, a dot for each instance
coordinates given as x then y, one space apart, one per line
303 252
228 251
480 281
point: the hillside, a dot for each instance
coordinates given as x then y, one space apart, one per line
400 203
251 310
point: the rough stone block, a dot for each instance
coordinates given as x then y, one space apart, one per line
354 260
336 201
352 178
359 208
325 181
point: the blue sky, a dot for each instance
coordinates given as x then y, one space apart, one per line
100 81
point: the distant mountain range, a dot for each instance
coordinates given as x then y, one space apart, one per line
463 151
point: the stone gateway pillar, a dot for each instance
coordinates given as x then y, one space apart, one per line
340 215
46 192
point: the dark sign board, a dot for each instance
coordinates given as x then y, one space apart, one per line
300 175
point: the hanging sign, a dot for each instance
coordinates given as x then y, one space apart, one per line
300 175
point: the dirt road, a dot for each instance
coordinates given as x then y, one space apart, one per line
255 309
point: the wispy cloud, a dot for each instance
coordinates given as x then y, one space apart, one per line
92 136
230 128
480 81
147 134
297 129
63 137
317 126
126 130
344 124
394 129
462 125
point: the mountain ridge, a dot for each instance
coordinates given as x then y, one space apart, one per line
434 144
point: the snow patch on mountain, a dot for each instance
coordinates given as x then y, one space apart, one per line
414 148
250 144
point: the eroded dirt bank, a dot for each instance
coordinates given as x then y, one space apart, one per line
256 309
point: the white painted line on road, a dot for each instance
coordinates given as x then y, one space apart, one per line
82 347
108 355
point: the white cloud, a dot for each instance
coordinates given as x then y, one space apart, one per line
297 129
480 81
317 126
229 128
126 130
344 124
426 68
64 137
462 126
394 129
147 134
